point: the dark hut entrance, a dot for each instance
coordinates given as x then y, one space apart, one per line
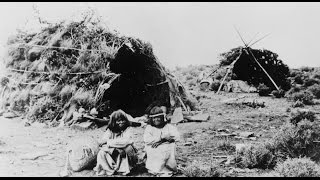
142 83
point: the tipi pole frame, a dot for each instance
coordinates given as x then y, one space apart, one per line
228 71
224 78
247 47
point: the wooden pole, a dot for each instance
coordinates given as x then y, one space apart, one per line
247 47
263 69
184 106
231 65
224 78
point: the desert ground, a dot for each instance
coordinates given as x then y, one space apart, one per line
39 150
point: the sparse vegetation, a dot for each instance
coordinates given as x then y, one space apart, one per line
306 97
300 115
278 93
287 145
226 146
315 90
298 167
263 90
297 103
215 85
256 156
198 169
293 141
254 104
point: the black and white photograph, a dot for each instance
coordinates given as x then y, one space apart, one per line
159 89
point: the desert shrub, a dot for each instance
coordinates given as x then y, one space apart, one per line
298 103
294 72
192 83
84 98
218 76
201 68
215 85
310 81
263 90
306 97
278 93
293 89
189 77
19 100
196 169
298 116
316 75
298 167
293 141
66 92
256 156
306 69
43 109
226 146
315 89
298 79
254 104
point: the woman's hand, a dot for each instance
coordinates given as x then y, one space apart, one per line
169 139
122 152
102 143
156 144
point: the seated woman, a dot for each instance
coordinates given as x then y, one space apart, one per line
117 153
160 147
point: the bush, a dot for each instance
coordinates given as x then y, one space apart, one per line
298 104
84 98
316 75
293 141
306 97
215 85
298 116
298 167
201 170
298 79
278 94
20 100
260 156
192 83
294 72
189 77
226 146
263 90
310 81
293 89
218 76
66 92
306 69
315 90
43 109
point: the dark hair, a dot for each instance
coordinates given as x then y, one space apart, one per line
116 115
158 110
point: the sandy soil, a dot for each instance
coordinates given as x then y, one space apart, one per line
38 150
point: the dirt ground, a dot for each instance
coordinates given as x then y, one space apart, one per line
38 150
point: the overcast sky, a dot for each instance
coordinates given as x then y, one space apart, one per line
193 33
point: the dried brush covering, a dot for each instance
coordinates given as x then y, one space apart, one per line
65 63
247 69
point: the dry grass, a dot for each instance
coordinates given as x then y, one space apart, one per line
298 167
